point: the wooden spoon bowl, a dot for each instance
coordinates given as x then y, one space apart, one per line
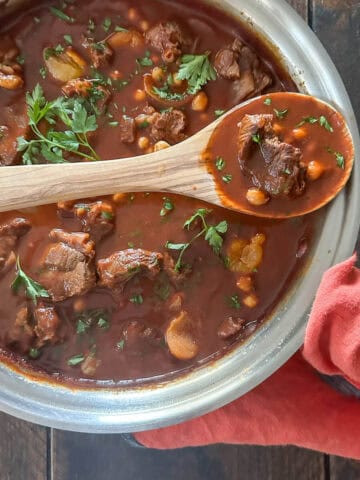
188 168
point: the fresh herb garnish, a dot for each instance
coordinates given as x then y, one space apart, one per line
164 92
107 215
34 353
120 345
62 15
212 234
310 120
114 123
145 61
219 113
53 51
107 24
43 72
281 113
340 159
137 299
325 124
234 302
68 39
76 360
220 163
267 101
52 144
168 207
227 178
118 28
20 59
197 70
256 138
91 25
33 289
89 318
144 124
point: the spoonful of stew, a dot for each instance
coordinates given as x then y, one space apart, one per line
278 156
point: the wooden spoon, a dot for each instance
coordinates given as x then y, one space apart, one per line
181 169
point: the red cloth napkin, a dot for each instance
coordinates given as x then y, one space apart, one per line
295 406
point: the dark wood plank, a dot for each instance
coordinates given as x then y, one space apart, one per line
337 24
344 469
23 450
81 456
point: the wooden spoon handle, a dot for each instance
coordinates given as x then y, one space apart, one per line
177 169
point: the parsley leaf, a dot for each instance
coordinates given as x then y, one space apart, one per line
62 15
168 207
137 299
227 178
220 163
340 159
281 113
33 289
256 138
310 120
212 234
197 70
52 144
234 302
76 360
145 61
325 123
268 101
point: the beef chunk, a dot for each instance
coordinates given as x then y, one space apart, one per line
21 335
230 327
9 234
116 270
47 324
84 88
97 218
68 265
169 38
10 69
127 129
252 125
168 126
239 63
282 174
15 125
100 52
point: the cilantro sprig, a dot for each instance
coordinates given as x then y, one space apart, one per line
213 234
52 143
33 289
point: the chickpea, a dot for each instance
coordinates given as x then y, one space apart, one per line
299 133
139 95
132 14
245 284
277 128
143 143
119 197
144 25
178 82
157 74
161 145
200 102
79 305
314 170
250 301
256 197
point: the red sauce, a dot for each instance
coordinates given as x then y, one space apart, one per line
127 337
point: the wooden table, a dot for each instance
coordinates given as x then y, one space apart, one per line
29 452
